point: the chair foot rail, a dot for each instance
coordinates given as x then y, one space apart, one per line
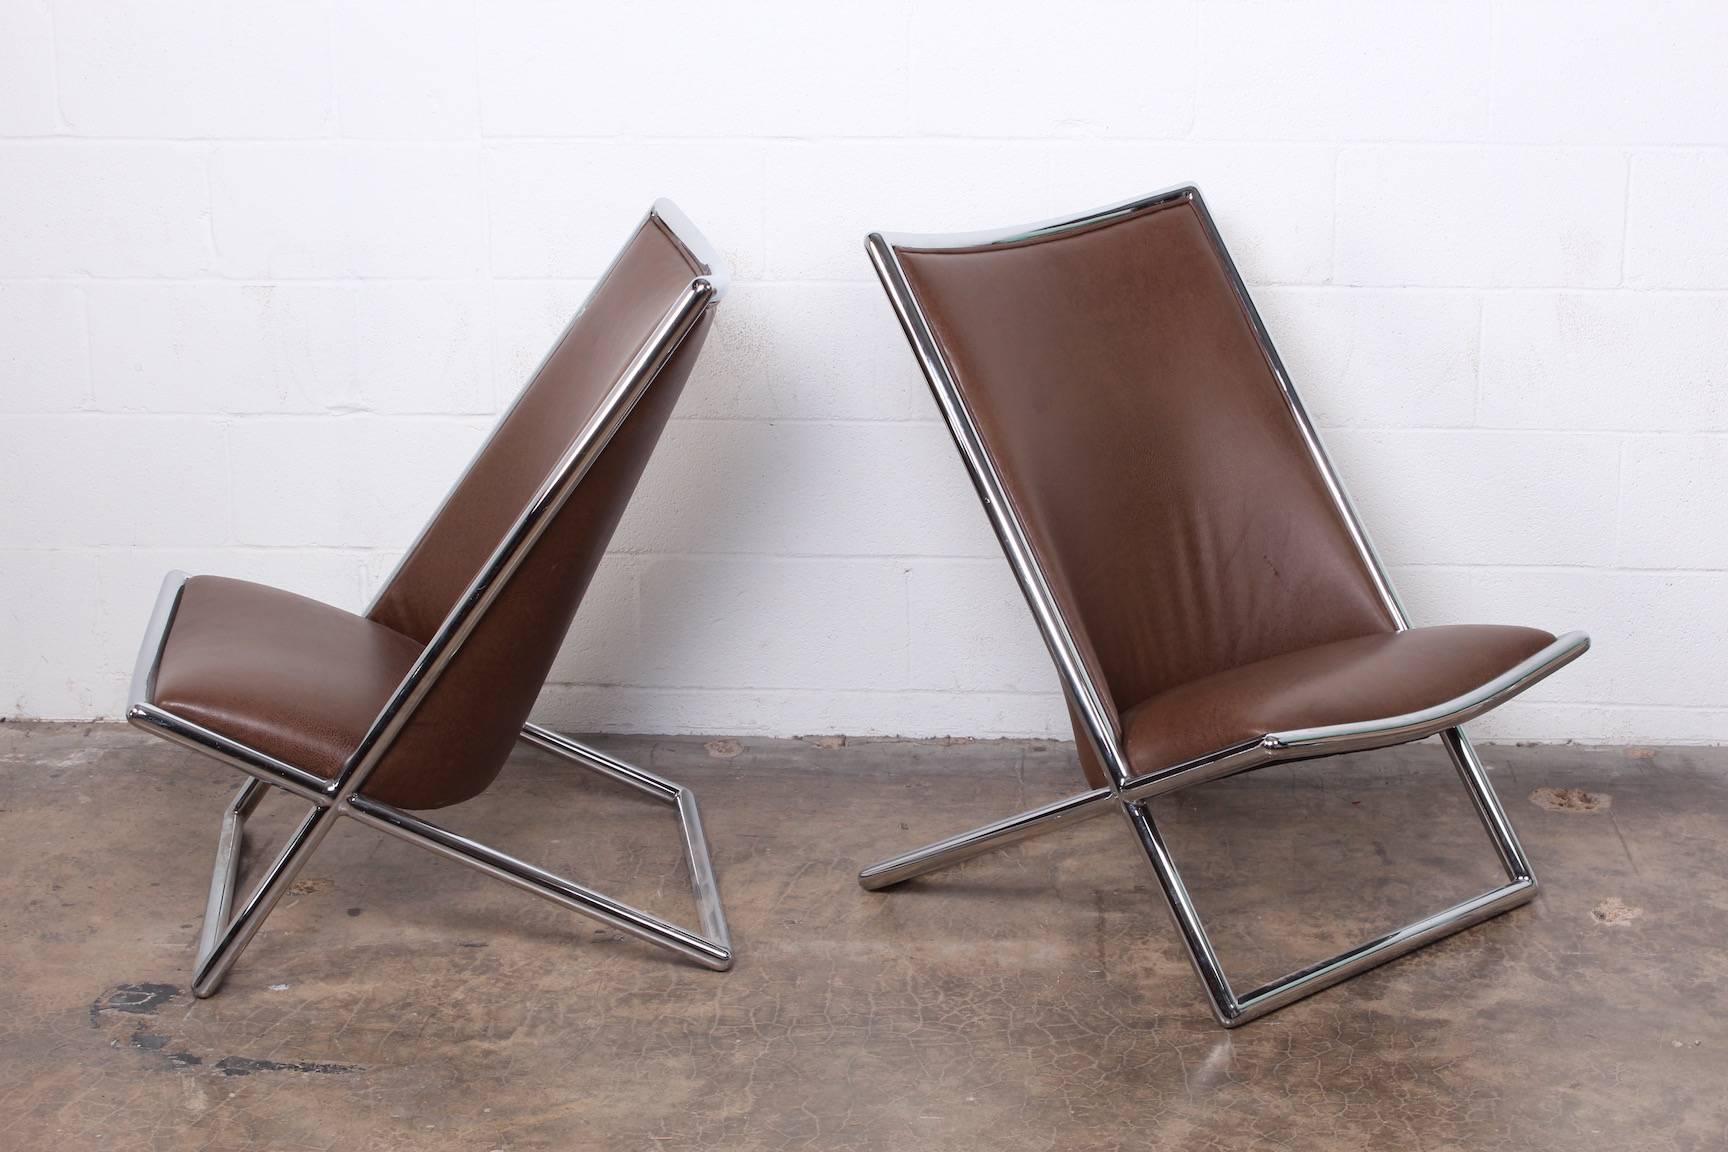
1306 982
540 882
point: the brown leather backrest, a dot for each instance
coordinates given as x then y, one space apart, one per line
1140 433
462 732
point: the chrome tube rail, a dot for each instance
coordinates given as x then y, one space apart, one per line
224 935
1338 739
712 948
227 870
1132 793
1070 809
714 274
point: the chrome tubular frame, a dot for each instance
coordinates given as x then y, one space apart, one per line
1131 793
225 934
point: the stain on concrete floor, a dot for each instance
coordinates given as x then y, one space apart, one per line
1034 998
1572 799
1614 910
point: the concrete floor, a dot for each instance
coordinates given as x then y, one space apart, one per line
1035 998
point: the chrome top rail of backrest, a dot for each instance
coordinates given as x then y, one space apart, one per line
1101 727
577 460
1043 229
709 267
696 246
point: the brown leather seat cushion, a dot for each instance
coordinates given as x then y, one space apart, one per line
1369 678
277 672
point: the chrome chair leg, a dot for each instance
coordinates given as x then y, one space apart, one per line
225 936
238 932
1049 817
228 848
711 914
1487 804
715 954
1230 1009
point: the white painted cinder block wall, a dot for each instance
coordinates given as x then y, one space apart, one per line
268 270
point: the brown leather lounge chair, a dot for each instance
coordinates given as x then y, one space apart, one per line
418 703
1208 594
